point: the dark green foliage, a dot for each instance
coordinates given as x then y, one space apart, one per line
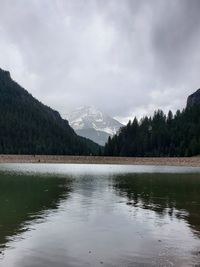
29 127
159 135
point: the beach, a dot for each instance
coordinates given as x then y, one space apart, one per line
158 161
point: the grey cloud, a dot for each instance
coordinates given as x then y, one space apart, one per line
125 57
176 38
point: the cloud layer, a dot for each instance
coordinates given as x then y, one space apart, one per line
125 57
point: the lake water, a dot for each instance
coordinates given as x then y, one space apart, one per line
56 215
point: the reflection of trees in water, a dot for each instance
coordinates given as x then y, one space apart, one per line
24 198
175 194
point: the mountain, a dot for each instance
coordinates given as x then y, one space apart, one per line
98 137
94 124
29 127
160 135
194 99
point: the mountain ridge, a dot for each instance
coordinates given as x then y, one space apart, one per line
193 99
30 127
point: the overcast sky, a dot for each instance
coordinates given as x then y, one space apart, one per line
125 57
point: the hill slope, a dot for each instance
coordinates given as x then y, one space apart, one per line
29 127
160 135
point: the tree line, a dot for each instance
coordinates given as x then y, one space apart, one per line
159 135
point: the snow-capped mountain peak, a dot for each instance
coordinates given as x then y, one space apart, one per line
90 118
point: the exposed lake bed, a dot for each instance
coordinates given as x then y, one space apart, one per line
99 215
69 159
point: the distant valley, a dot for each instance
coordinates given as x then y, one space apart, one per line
27 126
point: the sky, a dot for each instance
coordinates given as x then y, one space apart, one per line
125 57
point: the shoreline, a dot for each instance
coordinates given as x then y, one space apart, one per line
157 161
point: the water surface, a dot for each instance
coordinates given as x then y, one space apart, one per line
99 215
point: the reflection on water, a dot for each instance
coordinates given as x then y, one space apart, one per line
25 198
175 194
105 216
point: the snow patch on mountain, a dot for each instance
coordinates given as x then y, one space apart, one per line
89 117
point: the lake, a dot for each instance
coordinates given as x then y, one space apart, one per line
99 215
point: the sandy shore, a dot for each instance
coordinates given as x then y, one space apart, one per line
190 162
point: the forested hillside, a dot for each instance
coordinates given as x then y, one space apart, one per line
159 135
29 127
